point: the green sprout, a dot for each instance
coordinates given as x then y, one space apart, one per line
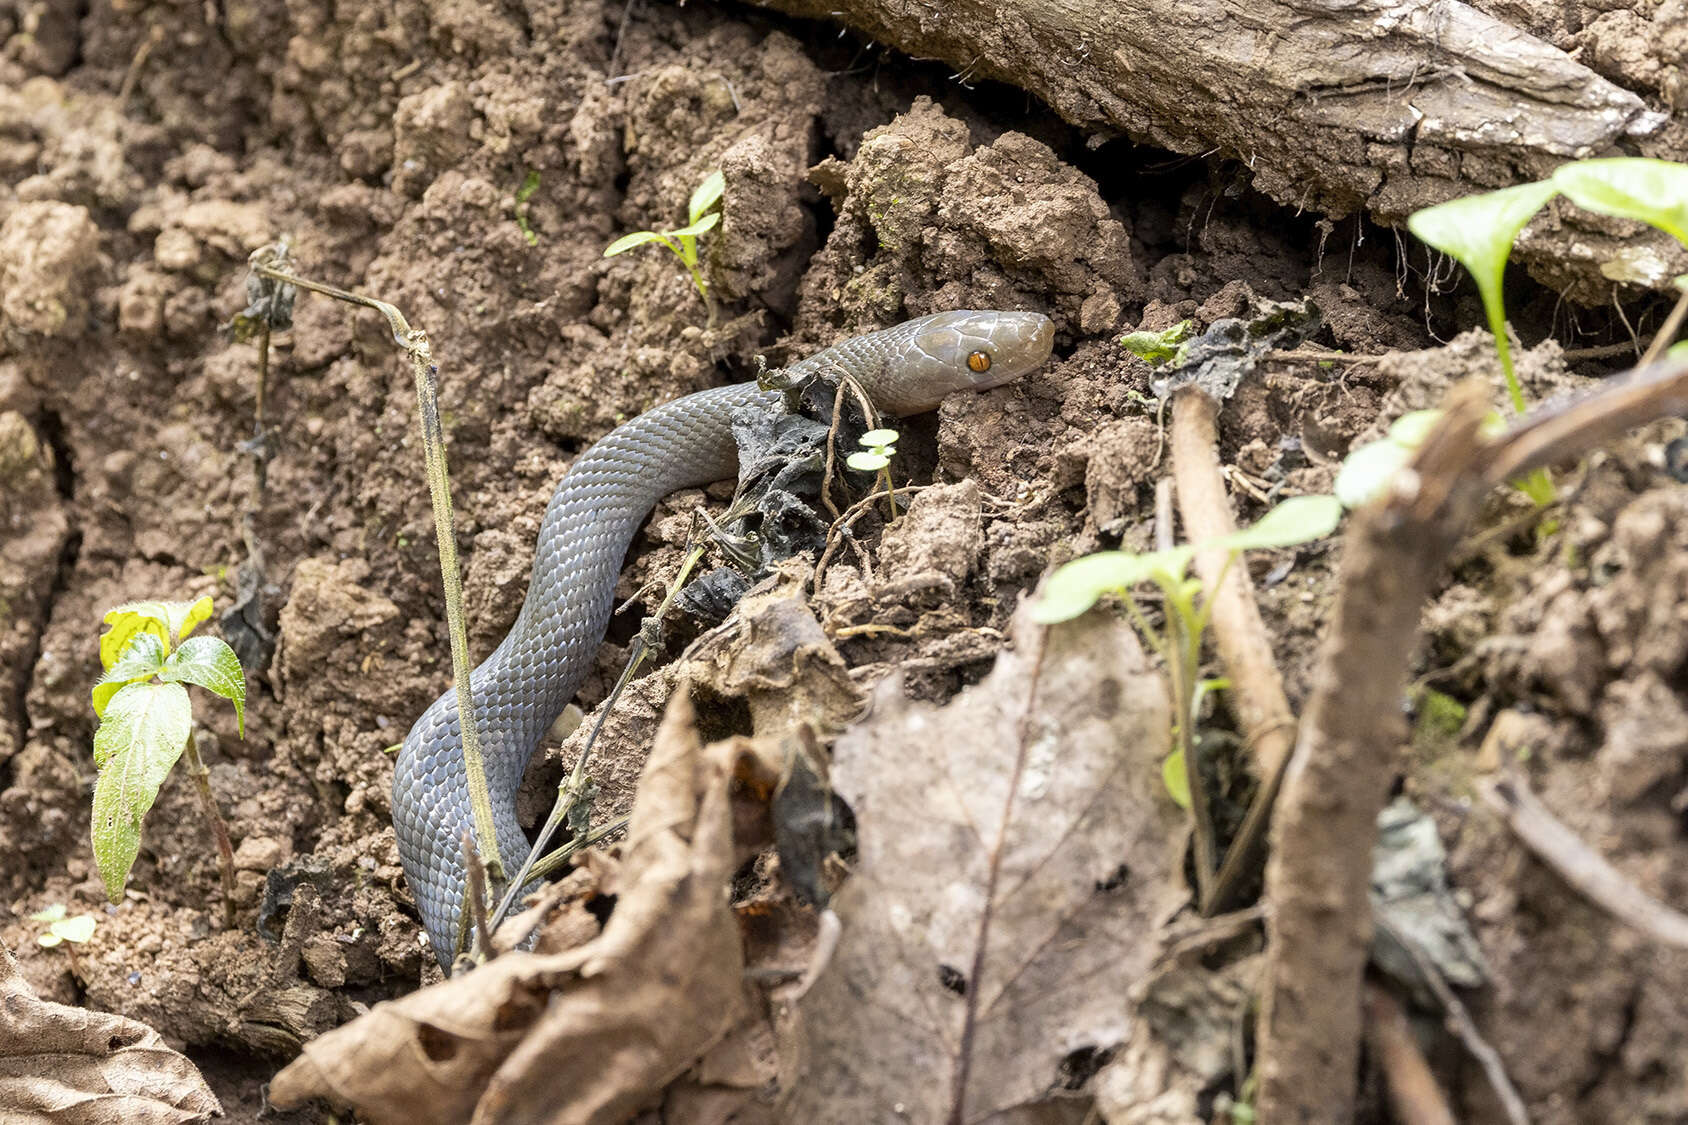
1368 469
1159 348
878 447
146 724
1478 231
682 243
1075 587
1630 187
530 184
61 929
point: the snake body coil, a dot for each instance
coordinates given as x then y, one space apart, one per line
525 684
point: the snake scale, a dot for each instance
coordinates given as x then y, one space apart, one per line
598 506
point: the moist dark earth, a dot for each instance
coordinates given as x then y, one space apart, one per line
146 149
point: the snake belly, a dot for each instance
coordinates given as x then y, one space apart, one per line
589 523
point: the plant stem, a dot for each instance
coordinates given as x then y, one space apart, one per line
219 830
890 493
415 343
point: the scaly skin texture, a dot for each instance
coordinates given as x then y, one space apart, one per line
525 684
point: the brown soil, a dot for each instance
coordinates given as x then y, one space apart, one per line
145 150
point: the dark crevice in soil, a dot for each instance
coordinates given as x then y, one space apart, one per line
52 430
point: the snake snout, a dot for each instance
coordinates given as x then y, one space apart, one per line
964 351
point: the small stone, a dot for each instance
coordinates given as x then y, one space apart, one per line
260 853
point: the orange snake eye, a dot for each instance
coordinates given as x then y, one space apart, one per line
979 361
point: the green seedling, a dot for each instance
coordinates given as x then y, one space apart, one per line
878 447
1074 588
530 184
1159 348
61 929
1630 187
146 724
1368 469
682 243
1478 231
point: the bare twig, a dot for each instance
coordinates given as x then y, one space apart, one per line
415 344
1413 1093
1257 690
1319 920
1586 870
480 949
1339 774
1464 1028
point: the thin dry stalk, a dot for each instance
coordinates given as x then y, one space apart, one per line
1586 870
1257 689
1413 1092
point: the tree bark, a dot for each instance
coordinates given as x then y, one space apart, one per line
1380 107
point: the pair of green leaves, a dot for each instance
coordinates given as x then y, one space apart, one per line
682 243
1077 586
146 716
1479 230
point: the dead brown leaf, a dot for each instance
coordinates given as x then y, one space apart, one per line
584 1036
1018 855
70 1065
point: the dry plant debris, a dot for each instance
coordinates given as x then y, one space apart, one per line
1017 855
77 1067
583 1036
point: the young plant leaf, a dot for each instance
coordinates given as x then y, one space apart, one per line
212 664
707 195
78 930
638 238
139 661
1157 348
169 621
867 461
1076 586
881 437
1299 519
1631 187
1478 231
1367 471
144 731
694 229
1176 779
52 913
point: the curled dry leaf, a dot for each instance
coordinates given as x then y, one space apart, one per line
70 1065
583 1036
1017 857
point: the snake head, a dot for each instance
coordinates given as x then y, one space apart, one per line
962 351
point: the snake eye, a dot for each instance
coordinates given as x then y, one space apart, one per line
979 361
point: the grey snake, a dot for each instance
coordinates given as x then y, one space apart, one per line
598 506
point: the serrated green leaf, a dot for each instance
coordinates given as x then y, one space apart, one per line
692 230
169 621
867 462
212 664
707 195
1176 778
142 659
1631 187
143 733
638 238
1299 519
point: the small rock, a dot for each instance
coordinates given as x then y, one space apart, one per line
261 853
